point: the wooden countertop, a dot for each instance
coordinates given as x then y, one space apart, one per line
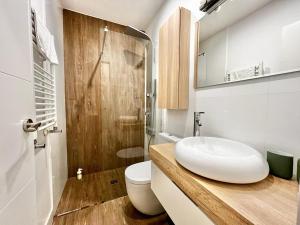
270 202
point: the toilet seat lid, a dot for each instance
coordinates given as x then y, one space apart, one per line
139 173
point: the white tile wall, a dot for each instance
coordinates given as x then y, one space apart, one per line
16 151
17 171
15 53
54 20
263 113
21 209
29 184
43 178
53 160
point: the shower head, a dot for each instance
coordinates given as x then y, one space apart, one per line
136 33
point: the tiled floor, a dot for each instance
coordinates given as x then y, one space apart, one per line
101 199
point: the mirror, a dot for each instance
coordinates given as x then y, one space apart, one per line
248 39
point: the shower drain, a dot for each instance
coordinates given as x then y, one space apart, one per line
74 210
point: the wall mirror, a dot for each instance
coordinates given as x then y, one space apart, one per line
247 39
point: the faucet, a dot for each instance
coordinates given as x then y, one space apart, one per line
197 123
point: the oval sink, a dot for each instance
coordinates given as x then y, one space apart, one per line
221 159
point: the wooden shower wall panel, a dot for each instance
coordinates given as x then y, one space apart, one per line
104 98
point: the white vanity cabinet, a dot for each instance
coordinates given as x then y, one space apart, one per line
178 206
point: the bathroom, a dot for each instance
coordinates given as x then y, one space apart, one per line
149 112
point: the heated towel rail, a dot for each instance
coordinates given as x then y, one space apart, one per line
44 93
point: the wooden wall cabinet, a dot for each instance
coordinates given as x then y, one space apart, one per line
174 51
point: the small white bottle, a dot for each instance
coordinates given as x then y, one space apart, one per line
79 173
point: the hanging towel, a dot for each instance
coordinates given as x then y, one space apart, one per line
45 41
52 55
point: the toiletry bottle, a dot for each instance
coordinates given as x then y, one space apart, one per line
79 174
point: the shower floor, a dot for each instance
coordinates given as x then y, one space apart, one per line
93 189
101 199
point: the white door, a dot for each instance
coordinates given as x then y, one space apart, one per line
17 166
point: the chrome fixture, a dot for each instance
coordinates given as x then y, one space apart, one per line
104 39
197 123
55 130
211 5
52 131
105 30
150 113
150 84
132 31
36 145
30 126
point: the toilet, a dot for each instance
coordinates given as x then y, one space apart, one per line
138 185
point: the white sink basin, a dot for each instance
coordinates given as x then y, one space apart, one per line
221 159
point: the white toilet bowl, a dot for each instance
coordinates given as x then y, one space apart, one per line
138 185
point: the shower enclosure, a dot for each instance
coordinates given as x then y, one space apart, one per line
108 93
150 84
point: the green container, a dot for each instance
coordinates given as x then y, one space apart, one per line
281 164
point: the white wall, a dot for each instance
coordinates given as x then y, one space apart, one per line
17 171
181 120
271 40
31 182
51 163
263 113
54 20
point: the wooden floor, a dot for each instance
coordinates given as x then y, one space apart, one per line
115 212
101 199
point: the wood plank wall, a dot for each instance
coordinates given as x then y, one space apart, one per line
104 98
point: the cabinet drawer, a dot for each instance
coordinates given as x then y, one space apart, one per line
178 206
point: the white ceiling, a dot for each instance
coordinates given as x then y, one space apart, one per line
137 13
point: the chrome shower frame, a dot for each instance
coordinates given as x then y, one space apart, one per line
150 82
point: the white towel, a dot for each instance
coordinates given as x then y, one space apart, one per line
52 55
46 41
